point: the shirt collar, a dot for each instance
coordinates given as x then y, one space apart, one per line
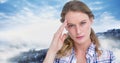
90 51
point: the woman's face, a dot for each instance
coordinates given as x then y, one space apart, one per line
78 26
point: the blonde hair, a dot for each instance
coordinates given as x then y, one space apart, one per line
68 43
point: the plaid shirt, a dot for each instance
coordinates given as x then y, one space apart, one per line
91 57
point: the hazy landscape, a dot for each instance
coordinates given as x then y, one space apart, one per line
21 53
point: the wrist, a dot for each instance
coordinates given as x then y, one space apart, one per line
51 52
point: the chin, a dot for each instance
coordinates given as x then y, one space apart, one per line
80 41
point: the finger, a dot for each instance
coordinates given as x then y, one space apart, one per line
61 28
64 37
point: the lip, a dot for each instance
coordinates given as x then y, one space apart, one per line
79 37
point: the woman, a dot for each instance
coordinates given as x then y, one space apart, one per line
80 44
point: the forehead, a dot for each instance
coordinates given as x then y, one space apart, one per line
72 16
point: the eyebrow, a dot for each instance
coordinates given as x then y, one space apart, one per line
79 22
70 24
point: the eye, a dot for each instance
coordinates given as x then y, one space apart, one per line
70 25
82 23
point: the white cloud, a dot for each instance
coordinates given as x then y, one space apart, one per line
97 2
28 26
106 21
95 6
34 35
3 1
112 45
28 29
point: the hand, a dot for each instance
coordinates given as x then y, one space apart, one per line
56 44
58 39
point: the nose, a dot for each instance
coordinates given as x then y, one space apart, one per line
78 29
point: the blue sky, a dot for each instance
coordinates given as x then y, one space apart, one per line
11 8
111 6
32 23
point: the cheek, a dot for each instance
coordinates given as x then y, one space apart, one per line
87 28
71 31
88 31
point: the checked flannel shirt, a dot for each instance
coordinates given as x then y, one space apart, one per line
91 56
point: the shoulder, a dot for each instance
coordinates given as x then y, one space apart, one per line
66 58
107 55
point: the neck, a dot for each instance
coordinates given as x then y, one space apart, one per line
82 47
